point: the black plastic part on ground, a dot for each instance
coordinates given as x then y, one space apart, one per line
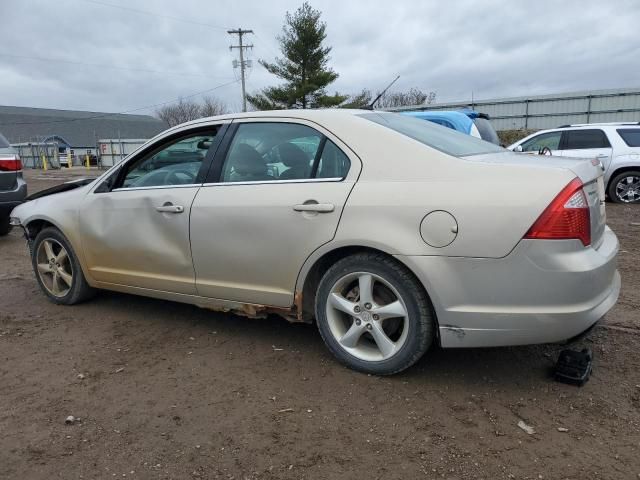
574 367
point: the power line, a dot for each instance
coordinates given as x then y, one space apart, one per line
146 12
269 47
241 48
116 67
146 107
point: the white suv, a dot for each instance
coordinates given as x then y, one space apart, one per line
615 145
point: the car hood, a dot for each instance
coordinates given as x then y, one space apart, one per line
63 187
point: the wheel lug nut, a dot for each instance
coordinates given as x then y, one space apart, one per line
376 316
367 306
358 322
356 309
369 327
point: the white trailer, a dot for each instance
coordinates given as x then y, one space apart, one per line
112 151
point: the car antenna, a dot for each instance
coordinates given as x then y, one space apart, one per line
370 107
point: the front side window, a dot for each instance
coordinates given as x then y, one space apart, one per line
176 163
264 151
549 140
585 139
631 136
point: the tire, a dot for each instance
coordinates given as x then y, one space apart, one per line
355 339
5 227
613 190
72 287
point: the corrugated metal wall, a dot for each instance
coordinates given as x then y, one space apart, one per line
549 111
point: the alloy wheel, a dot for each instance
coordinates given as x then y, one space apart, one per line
628 189
54 267
367 316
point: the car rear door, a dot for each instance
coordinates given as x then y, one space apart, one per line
586 143
275 195
135 224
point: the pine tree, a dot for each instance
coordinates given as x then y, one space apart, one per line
303 68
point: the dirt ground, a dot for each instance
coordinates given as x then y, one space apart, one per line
163 390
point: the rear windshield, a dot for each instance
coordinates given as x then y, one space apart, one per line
631 136
3 142
487 132
435 136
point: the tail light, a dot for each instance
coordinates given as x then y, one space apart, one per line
10 163
567 217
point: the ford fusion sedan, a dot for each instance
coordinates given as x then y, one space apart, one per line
389 232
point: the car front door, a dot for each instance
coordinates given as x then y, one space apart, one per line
275 195
587 143
135 224
543 142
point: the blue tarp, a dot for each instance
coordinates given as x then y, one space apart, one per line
459 121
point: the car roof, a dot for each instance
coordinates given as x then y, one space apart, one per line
603 124
307 114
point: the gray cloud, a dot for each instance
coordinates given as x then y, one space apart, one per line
493 48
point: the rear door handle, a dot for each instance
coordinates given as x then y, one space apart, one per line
170 208
315 207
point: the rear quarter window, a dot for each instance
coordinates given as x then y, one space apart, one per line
631 136
3 142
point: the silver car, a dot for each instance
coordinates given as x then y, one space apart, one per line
389 232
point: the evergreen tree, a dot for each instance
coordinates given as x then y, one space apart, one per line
303 68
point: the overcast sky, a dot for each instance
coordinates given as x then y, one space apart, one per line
91 55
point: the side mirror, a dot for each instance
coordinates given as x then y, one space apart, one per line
518 148
204 144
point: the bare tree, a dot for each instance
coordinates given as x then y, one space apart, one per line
413 96
187 110
212 106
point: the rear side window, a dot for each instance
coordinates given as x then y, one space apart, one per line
585 139
631 136
3 142
435 136
333 162
265 152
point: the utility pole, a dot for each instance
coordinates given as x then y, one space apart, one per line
240 32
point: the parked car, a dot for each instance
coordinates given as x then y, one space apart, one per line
615 145
13 188
466 121
394 234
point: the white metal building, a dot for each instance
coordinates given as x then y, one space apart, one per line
550 111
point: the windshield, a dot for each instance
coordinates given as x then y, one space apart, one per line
435 136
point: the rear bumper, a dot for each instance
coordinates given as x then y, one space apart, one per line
545 291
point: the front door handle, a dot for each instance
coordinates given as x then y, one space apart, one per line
315 207
170 208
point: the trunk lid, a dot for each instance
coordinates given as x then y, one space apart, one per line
589 171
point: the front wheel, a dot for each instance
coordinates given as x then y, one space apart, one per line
625 187
373 314
57 268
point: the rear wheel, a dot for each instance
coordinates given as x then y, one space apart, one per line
57 268
373 314
625 187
